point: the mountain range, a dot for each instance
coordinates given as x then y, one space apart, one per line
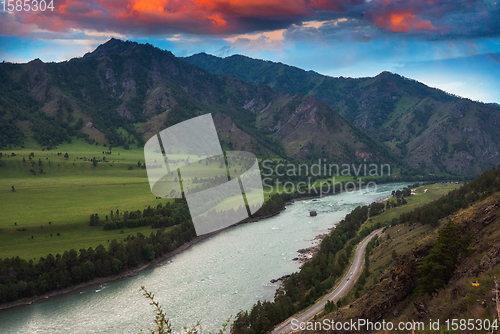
427 127
124 92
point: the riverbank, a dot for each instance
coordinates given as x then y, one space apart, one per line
132 272
108 279
383 199
306 254
129 273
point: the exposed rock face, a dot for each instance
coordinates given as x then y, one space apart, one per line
237 139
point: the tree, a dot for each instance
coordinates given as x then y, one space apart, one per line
394 255
436 269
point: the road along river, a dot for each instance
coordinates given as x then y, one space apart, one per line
211 281
343 288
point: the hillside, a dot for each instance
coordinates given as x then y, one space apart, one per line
428 239
445 273
431 129
123 92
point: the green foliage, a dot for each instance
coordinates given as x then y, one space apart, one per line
394 255
70 268
478 189
162 216
10 133
330 307
376 208
316 276
438 267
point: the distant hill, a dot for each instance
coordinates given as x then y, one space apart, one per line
429 128
124 92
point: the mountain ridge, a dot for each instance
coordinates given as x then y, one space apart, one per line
397 111
123 91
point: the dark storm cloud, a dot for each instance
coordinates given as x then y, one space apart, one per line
428 19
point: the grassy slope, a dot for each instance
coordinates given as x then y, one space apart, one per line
399 238
422 195
459 299
402 238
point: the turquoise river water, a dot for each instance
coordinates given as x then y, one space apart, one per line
211 281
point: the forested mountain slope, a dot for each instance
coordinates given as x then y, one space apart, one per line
450 273
124 92
429 128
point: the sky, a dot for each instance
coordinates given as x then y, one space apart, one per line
453 45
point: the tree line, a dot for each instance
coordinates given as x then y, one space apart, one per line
170 214
24 279
476 190
316 277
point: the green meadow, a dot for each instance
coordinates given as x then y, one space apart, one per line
54 195
420 196
61 197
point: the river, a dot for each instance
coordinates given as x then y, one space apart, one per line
210 281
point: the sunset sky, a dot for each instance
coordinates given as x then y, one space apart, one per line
450 44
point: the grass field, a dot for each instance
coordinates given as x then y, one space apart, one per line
422 195
66 194
59 194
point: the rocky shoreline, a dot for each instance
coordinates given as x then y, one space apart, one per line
305 254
